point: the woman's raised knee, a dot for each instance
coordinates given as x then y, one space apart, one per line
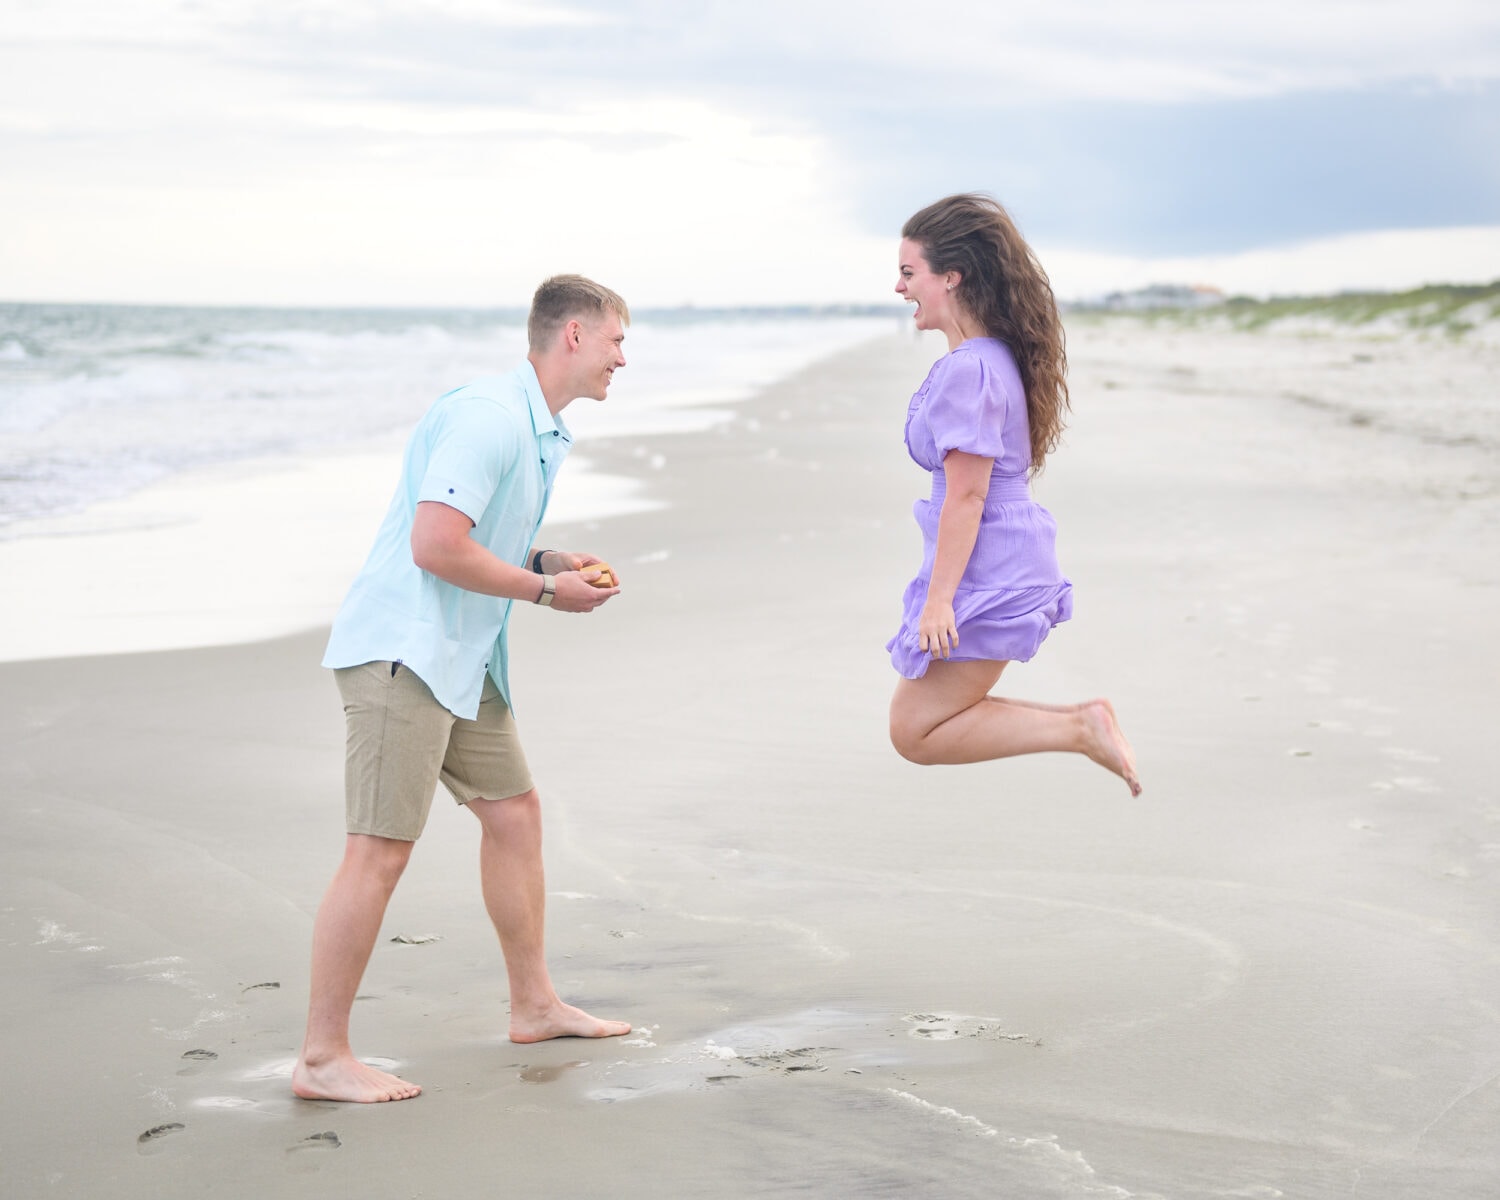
910 745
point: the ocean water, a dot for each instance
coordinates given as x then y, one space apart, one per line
175 477
100 401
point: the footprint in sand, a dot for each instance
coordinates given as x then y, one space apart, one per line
305 1163
734 1055
195 1060
789 1062
327 1140
148 1142
548 1074
945 1027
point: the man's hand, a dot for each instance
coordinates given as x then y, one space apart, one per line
441 545
576 594
555 562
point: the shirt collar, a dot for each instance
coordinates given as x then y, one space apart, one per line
543 422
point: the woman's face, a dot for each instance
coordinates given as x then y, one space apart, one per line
932 294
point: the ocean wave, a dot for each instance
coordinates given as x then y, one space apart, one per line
99 401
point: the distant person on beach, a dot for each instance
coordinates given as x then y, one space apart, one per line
419 654
990 589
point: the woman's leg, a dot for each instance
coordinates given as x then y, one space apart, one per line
948 716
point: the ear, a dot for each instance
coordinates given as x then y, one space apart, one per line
573 335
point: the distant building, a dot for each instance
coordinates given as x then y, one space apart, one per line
1163 295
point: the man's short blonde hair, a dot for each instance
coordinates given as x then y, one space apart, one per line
564 297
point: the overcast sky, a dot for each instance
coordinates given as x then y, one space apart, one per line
456 151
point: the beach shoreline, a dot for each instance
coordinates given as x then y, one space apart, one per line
221 482
1272 974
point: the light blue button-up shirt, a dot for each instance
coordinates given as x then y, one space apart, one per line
490 449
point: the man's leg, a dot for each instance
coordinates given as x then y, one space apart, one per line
515 893
344 935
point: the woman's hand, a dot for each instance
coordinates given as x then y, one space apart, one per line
937 629
968 479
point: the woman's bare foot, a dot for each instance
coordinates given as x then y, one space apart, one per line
562 1020
1106 745
347 1078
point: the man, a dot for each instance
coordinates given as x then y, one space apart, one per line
419 653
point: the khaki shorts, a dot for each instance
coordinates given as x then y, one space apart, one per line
401 741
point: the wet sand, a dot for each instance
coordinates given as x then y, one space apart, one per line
1274 974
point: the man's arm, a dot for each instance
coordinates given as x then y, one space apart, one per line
441 545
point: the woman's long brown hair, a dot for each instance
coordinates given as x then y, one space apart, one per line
1004 287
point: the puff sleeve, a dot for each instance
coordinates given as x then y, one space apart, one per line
966 406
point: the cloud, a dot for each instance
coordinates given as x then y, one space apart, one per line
438 151
1376 261
1192 179
885 52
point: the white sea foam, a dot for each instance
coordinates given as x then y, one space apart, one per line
1060 1163
951 1114
225 1102
51 933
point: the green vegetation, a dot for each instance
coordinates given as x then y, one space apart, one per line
1451 309
1448 307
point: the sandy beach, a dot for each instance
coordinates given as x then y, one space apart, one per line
1275 974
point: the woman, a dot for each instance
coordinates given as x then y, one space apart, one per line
990 411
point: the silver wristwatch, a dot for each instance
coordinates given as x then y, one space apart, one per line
549 589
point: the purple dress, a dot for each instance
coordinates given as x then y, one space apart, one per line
1012 592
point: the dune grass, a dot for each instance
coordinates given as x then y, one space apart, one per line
1445 309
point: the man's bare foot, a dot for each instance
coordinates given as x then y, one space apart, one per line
1106 745
562 1020
349 1079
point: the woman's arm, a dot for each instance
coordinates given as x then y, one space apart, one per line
968 483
